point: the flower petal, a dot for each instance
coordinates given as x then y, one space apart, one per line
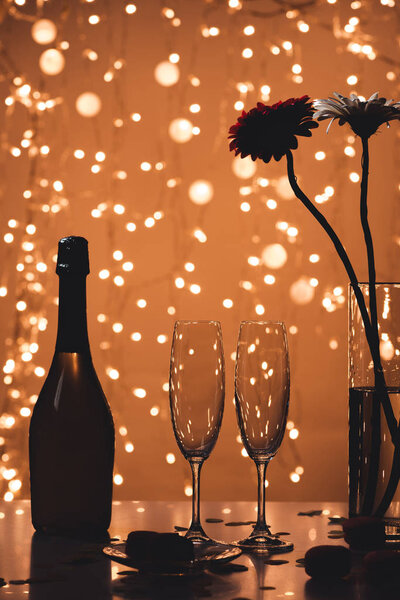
266 131
329 125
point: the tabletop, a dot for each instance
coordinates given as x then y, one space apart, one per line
61 569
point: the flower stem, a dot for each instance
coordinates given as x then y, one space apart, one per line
372 480
327 227
371 262
370 248
334 238
392 484
391 420
374 456
380 383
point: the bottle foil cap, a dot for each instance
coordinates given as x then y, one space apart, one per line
73 256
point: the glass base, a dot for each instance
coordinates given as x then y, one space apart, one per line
264 544
200 539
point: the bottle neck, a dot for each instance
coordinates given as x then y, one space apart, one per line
72 334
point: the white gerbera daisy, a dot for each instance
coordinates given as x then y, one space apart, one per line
363 116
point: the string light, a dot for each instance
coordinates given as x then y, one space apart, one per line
247 53
201 192
301 291
46 194
249 30
94 19
44 31
303 26
354 177
244 168
269 279
166 73
349 151
174 58
88 104
181 130
51 61
170 458
274 256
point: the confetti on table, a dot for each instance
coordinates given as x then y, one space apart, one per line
335 535
275 561
336 520
310 513
239 523
212 520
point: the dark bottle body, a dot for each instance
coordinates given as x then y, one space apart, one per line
71 436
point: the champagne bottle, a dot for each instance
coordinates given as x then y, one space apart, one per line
71 435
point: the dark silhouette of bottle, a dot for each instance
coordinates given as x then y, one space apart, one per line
71 435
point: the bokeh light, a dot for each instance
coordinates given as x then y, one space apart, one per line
121 136
44 31
88 104
166 73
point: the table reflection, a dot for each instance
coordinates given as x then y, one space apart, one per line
68 569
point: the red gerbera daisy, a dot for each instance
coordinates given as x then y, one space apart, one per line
270 131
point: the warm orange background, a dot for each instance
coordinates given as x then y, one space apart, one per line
142 40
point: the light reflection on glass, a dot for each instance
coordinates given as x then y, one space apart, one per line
197 386
262 397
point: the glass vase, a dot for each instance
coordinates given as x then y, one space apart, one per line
374 407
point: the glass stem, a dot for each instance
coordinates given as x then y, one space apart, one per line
261 525
195 465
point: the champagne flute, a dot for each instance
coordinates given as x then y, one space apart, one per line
196 392
262 399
